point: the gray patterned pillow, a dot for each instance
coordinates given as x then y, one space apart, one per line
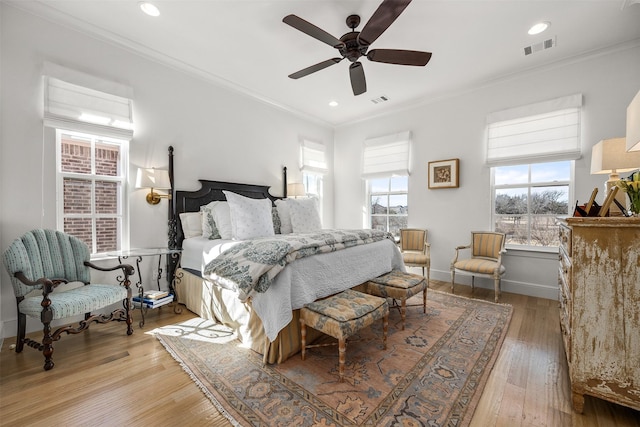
209 228
250 218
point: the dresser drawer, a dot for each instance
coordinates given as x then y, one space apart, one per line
564 233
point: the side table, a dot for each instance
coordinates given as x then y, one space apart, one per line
139 253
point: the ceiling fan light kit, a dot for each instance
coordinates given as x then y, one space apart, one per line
355 44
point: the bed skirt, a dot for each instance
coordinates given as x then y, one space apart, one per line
212 302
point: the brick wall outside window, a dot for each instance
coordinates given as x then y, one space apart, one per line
75 158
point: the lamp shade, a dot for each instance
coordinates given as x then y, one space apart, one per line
295 190
153 178
610 156
633 124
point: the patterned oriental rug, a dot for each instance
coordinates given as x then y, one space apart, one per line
432 373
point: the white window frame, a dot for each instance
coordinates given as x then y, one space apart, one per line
123 211
531 185
387 194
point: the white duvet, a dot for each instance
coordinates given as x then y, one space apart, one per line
304 280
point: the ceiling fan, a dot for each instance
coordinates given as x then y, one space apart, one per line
355 44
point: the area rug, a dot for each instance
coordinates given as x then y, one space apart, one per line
431 374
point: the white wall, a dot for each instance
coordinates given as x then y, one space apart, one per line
217 133
455 128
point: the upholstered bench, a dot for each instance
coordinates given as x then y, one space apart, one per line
342 315
399 286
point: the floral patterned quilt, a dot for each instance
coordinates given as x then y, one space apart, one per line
251 266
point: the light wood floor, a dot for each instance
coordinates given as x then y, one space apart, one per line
103 377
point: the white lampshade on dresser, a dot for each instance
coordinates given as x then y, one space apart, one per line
633 124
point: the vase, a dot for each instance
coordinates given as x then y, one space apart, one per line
634 199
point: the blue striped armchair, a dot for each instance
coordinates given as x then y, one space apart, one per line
40 261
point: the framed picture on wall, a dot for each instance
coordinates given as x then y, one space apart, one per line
444 174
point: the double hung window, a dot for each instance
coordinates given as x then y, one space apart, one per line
531 151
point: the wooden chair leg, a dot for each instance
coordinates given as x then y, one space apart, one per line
22 325
453 279
403 312
303 338
342 355
424 300
497 289
473 278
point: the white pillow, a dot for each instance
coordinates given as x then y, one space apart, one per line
222 217
191 224
250 218
305 216
285 216
208 223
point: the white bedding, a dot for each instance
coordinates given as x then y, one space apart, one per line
306 279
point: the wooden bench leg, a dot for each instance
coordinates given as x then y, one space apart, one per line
385 328
342 355
303 335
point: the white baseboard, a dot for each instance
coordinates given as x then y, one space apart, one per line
539 290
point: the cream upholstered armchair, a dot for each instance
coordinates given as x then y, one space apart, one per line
39 262
416 251
485 261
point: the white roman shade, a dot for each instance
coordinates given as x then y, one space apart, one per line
71 101
312 157
542 132
387 156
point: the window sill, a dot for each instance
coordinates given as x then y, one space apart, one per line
532 251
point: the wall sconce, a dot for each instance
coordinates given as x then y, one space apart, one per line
295 190
157 179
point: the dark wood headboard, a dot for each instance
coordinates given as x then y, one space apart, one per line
190 201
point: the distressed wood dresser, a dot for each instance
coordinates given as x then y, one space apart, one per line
599 280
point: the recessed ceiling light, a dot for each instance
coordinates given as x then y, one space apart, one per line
333 103
538 28
149 8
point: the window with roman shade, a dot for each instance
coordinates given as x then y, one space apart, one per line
312 157
79 102
93 125
542 132
387 156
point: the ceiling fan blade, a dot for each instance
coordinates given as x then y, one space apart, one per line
400 57
358 82
313 31
381 19
312 69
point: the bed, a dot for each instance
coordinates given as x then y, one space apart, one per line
265 321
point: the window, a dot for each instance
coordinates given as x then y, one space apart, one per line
388 203
91 182
385 166
313 166
531 151
93 124
528 198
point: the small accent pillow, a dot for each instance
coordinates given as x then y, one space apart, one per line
305 216
222 217
208 224
191 224
285 216
250 218
276 220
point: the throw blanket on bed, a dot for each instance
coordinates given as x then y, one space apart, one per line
251 266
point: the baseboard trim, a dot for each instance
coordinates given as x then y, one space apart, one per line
523 288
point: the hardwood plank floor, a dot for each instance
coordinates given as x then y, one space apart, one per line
104 377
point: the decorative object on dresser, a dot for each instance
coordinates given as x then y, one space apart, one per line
44 260
599 281
486 248
444 174
609 156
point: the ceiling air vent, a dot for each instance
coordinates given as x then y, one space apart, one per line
380 99
540 46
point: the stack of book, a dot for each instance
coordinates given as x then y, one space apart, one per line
153 299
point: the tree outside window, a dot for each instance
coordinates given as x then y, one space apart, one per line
528 198
388 205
